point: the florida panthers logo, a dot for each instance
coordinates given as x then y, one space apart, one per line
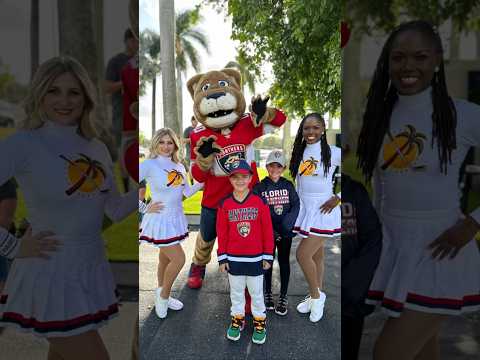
278 209
243 228
230 156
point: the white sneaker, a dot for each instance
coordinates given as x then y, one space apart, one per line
316 308
173 303
161 307
305 306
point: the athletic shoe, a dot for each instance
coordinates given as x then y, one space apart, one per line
317 306
259 332
161 308
195 276
305 305
269 305
237 325
173 303
281 308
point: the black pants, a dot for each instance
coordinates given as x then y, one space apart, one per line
283 247
351 335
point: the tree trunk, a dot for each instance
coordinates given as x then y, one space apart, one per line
352 92
154 96
167 60
34 36
179 98
80 30
286 141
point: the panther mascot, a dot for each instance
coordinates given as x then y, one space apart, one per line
225 135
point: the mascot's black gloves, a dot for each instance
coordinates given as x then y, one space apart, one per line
207 148
259 107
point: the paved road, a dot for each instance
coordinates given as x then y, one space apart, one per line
459 338
198 331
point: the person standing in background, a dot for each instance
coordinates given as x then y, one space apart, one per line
186 140
114 87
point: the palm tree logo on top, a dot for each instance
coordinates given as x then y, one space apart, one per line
85 175
308 167
403 150
174 178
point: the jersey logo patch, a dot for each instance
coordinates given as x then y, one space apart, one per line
174 178
243 228
230 156
308 167
84 175
278 209
403 150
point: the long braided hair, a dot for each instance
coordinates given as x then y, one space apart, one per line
300 144
382 97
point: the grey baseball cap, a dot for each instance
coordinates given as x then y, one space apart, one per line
276 156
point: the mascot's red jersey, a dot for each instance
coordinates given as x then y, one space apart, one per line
236 145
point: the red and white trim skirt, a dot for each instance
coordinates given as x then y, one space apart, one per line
408 278
311 221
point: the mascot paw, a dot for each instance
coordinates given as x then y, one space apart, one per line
208 147
205 152
259 108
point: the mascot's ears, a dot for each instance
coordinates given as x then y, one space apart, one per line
191 84
232 73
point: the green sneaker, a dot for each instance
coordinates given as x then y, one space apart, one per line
259 332
237 324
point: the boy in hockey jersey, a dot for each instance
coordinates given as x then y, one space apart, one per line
245 247
282 198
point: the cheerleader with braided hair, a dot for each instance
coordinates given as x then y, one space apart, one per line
412 143
313 164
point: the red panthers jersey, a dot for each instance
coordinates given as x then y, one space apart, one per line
236 145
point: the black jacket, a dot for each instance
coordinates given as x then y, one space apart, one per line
361 247
282 198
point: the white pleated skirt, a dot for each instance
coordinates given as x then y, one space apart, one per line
311 221
408 278
166 228
68 294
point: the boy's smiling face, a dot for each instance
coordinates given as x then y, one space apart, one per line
275 171
240 181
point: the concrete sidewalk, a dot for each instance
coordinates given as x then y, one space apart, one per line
198 331
459 337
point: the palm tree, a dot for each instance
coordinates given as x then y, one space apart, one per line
185 37
149 52
167 58
242 64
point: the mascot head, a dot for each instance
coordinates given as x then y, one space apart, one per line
217 99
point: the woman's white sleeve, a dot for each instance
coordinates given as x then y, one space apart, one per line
189 190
